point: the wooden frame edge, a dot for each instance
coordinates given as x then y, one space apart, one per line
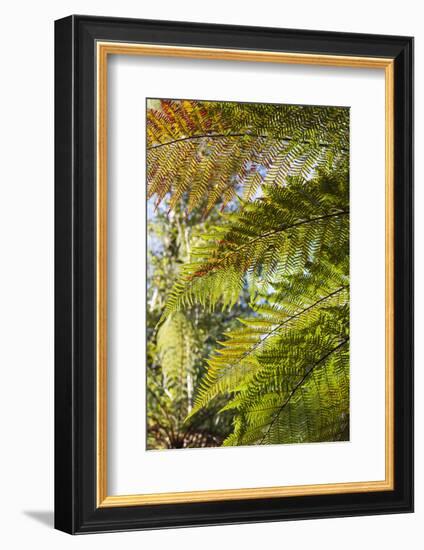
101 268
243 494
390 270
103 49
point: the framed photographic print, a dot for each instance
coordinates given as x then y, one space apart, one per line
234 271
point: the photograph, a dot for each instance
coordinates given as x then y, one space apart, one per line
247 312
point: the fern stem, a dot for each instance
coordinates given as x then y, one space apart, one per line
222 136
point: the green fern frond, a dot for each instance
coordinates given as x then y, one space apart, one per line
249 352
282 233
315 407
178 350
211 150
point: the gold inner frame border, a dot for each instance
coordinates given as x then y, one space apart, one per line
103 50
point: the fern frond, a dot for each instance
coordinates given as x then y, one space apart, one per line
178 350
249 351
214 150
282 233
314 408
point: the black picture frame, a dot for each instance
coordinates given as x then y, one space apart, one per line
76 510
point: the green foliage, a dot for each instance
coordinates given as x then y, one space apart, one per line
279 176
278 234
176 350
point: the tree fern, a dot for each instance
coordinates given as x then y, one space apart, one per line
279 175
